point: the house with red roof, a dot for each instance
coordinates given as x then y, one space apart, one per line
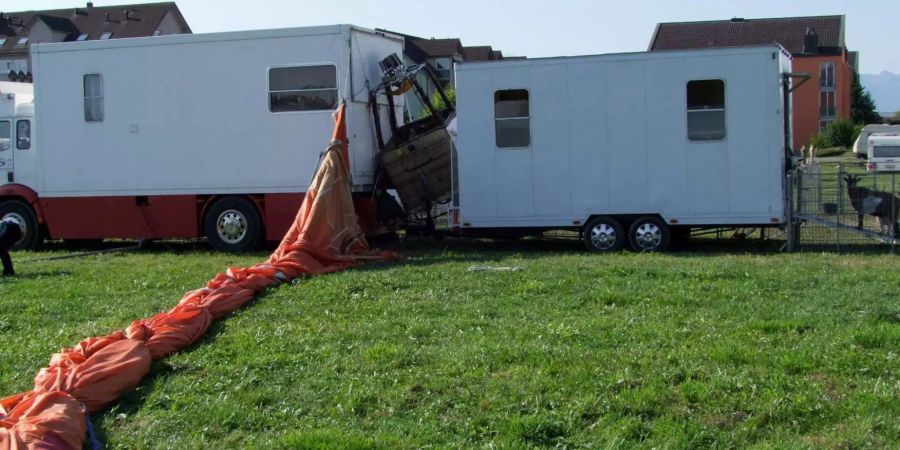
19 30
817 47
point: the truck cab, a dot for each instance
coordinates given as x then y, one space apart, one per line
17 160
884 152
16 133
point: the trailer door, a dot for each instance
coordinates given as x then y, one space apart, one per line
6 153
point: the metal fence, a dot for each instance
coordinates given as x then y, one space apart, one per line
843 207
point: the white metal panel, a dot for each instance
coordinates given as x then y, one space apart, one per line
746 188
626 112
666 136
367 49
618 126
514 166
708 160
588 138
188 114
475 149
551 161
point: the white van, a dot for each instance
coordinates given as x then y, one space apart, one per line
884 152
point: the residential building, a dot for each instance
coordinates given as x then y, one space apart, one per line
817 47
19 30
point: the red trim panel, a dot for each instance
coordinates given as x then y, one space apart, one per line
126 217
25 192
279 213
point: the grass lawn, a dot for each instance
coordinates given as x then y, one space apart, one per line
685 350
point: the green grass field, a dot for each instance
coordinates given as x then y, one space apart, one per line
719 349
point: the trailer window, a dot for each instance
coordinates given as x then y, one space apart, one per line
5 130
706 110
23 134
512 122
886 151
93 98
306 88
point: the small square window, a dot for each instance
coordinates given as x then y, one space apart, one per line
303 88
22 41
23 134
706 110
512 120
2 41
106 35
93 98
82 37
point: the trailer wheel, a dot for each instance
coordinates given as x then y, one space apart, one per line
32 235
603 234
232 224
649 234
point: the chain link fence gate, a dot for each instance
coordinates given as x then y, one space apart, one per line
842 207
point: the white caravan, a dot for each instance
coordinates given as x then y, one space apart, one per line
184 136
624 147
884 152
861 145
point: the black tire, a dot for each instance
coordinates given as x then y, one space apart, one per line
33 235
603 234
232 224
649 234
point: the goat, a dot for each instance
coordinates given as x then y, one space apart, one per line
883 205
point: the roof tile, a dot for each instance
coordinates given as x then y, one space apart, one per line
787 31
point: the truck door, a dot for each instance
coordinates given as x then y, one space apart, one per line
23 151
6 153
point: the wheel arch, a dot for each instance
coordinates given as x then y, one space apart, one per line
15 191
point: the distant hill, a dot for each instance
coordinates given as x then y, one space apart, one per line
885 90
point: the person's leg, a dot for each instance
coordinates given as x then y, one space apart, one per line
12 235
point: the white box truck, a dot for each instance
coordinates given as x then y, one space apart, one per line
185 136
624 147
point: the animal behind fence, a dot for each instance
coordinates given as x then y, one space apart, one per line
882 205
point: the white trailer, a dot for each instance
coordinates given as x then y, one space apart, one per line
190 135
883 152
624 147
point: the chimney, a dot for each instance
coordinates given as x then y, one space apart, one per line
90 4
810 41
738 19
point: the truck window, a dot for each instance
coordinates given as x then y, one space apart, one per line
93 98
512 122
23 134
886 151
303 88
4 135
706 110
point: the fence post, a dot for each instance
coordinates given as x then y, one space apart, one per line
793 205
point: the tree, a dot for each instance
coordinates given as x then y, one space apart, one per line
438 102
862 107
841 133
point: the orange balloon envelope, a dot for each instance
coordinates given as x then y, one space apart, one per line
325 237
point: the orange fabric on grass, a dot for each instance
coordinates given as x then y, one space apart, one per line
325 237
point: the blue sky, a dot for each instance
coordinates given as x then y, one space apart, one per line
534 28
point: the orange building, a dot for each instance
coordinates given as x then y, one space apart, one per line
815 43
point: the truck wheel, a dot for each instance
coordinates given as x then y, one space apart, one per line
32 235
603 234
649 234
232 224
